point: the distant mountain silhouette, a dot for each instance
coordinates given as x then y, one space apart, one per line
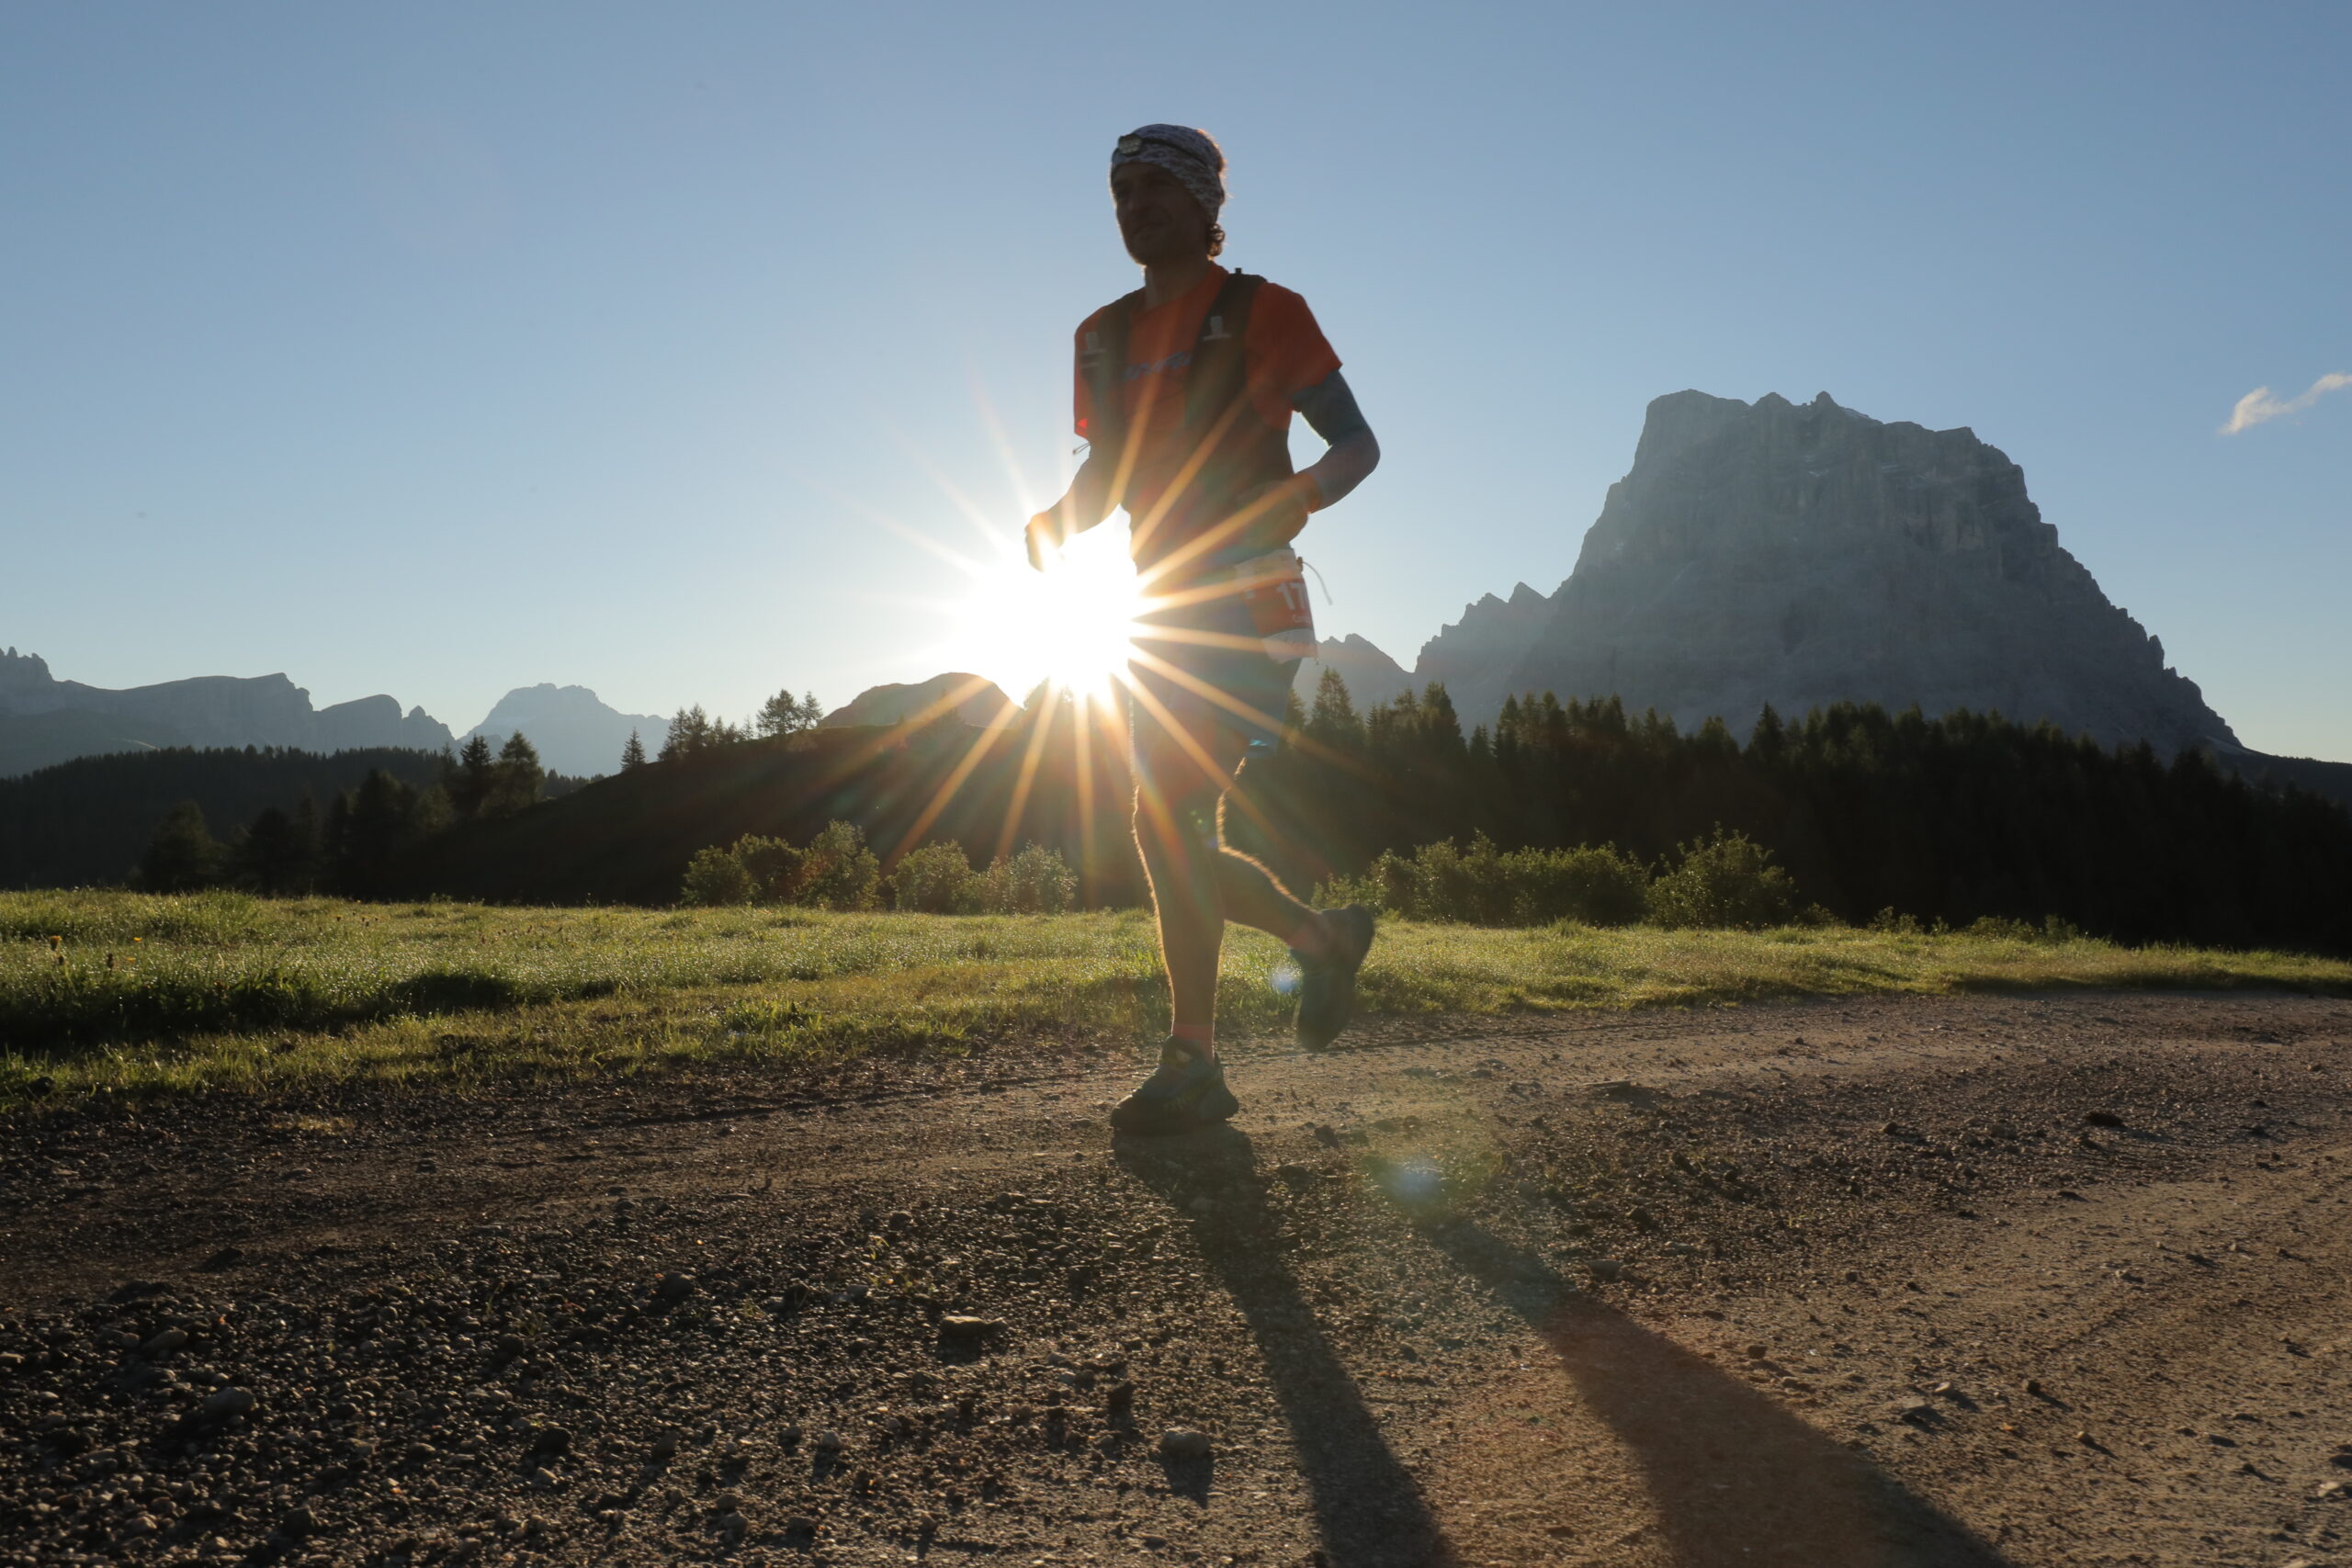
44 720
1372 676
572 731
969 698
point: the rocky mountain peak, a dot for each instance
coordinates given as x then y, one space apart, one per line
1807 554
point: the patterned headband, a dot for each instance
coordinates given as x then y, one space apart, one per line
1188 154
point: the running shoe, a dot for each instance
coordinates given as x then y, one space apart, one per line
1326 986
1188 1091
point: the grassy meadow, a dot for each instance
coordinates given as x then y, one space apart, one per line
140 994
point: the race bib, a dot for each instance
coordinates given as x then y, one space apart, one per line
1273 590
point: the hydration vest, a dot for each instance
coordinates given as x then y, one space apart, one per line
1232 448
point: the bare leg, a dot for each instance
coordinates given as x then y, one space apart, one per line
1197 884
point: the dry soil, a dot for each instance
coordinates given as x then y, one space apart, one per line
1974 1282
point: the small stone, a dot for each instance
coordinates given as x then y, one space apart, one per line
298 1524
1606 1269
963 1330
673 1287
2101 1119
226 1401
1757 1352
2033 1386
164 1344
543 1479
1182 1443
732 1527
1119 1399
829 1442
665 1445
417 1452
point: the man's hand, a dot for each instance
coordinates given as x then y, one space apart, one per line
1044 538
1273 514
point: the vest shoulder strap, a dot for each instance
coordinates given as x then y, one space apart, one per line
1219 373
1102 361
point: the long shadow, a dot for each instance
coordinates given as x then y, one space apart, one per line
1367 1505
1735 1478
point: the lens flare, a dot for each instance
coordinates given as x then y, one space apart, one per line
1072 625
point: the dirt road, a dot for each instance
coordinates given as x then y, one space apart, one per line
1977 1281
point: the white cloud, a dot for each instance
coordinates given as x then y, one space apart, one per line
2259 405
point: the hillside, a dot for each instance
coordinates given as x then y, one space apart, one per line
85 822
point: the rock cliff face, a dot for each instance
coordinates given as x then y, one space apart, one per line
1805 555
573 730
45 720
1475 656
1372 676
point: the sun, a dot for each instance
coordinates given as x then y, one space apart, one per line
1072 623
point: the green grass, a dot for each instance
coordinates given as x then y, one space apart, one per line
138 994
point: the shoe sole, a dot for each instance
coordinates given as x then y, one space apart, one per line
1216 1105
1309 1041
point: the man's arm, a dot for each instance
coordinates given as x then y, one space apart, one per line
1273 515
1087 502
1329 408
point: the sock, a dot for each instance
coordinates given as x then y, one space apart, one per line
1200 1037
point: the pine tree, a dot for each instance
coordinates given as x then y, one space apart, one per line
473 779
519 777
633 754
183 855
785 714
690 732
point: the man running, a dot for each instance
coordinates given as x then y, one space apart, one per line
1185 391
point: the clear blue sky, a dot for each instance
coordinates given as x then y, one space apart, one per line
441 349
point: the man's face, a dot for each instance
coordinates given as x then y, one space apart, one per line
1159 219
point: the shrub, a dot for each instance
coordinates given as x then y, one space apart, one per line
1488 887
1726 880
775 868
837 871
2051 931
1034 882
716 876
935 880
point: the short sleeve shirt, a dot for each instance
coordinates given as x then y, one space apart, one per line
1283 354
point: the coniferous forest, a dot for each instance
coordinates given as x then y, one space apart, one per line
1954 819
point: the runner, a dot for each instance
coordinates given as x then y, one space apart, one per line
1185 391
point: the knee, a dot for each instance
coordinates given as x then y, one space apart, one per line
1182 830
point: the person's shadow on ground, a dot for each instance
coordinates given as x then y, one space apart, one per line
1368 1507
1734 1477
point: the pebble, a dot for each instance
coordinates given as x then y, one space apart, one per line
230 1402
164 1344
1183 1443
829 1442
963 1330
1606 1269
665 1445
732 1527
